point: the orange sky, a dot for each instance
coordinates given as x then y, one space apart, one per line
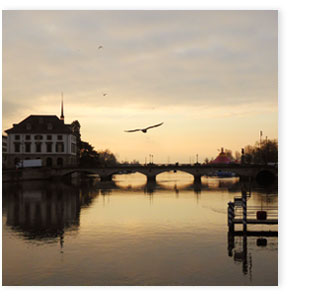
210 76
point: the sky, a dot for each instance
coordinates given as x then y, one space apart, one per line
210 76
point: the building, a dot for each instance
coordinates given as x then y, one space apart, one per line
4 150
44 137
222 158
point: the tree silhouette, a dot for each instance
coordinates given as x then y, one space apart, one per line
266 152
88 156
106 158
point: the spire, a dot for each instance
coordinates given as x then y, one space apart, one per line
62 108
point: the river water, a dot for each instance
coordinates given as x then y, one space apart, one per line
129 233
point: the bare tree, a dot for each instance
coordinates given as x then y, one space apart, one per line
106 158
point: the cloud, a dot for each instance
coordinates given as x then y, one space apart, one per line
162 57
210 75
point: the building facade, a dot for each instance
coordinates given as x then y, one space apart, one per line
4 150
41 137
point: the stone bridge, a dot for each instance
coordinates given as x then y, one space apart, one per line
152 170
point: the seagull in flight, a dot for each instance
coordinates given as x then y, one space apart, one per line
100 47
144 130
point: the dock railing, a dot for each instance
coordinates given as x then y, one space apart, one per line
240 213
271 211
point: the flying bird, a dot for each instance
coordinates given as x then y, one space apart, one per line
144 130
100 47
104 94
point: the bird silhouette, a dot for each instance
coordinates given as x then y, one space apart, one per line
144 130
104 94
100 47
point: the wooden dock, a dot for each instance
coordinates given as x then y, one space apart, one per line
255 221
240 213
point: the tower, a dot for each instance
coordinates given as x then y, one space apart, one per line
62 118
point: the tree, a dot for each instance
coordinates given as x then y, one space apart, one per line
107 159
269 151
88 156
266 152
238 156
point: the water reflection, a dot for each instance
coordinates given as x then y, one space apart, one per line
239 252
135 182
44 210
113 235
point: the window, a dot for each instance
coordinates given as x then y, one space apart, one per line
17 147
49 126
59 137
38 137
49 137
60 147
28 126
27 137
38 147
17 137
49 147
27 147
60 162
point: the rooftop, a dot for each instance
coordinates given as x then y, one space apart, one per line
40 124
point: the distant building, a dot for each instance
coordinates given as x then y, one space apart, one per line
4 144
42 137
222 158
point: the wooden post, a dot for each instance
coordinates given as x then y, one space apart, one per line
231 243
244 205
231 216
245 266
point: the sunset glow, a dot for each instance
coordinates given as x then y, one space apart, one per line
210 76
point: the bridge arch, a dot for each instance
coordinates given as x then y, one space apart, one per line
152 172
260 172
265 177
124 179
172 172
77 170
